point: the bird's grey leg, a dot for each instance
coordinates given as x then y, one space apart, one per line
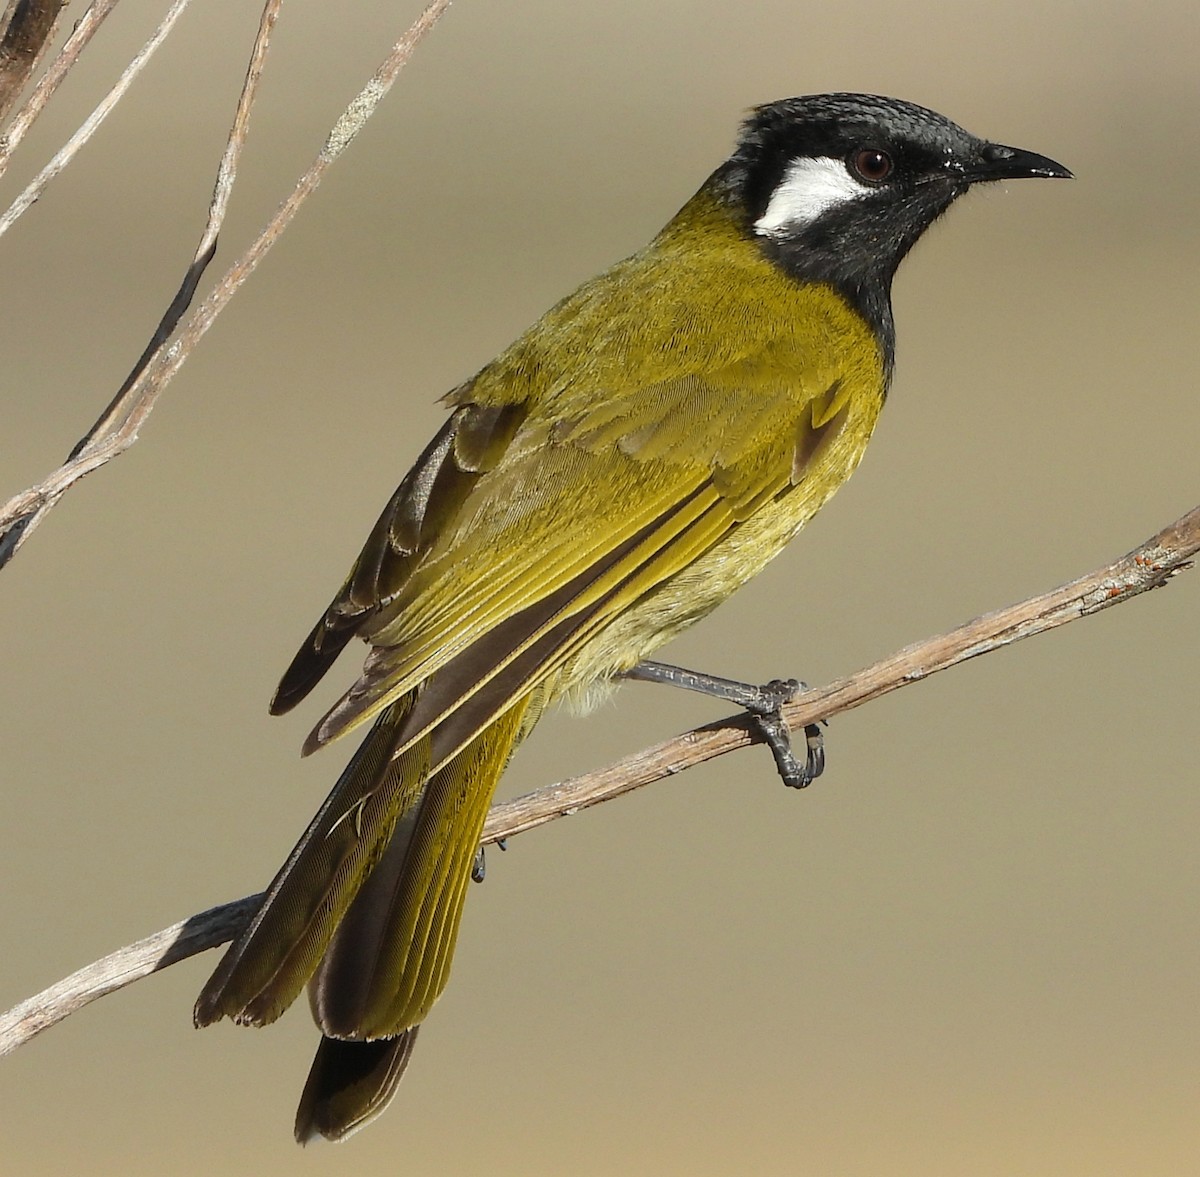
764 703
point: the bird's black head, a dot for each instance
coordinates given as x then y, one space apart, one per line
838 187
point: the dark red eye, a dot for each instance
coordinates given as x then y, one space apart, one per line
871 164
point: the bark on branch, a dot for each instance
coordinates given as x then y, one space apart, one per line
1148 566
26 30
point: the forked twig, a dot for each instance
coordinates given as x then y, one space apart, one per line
1148 566
122 421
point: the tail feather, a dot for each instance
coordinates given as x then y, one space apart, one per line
388 960
368 906
390 957
266 968
350 1083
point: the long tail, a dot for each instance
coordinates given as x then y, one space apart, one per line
368 906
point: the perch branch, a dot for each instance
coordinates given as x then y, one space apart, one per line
22 513
1148 566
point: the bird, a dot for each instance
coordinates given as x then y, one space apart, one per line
641 451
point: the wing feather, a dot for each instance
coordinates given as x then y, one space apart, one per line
531 526
471 442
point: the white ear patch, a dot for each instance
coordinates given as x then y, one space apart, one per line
810 187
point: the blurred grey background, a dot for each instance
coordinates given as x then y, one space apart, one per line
970 949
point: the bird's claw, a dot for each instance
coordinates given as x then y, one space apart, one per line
479 866
766 709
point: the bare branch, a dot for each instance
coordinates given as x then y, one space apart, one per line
206 250
85 29
22 513
26 31
70 149
1149 566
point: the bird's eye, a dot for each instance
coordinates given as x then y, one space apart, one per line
871 164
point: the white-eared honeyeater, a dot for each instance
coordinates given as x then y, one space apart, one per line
640 452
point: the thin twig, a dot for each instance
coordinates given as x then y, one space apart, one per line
1148 566
85 29
206 250
22 513
68 151
26 32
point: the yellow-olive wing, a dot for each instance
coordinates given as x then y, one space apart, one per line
582 517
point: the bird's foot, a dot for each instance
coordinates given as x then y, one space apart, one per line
764 703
